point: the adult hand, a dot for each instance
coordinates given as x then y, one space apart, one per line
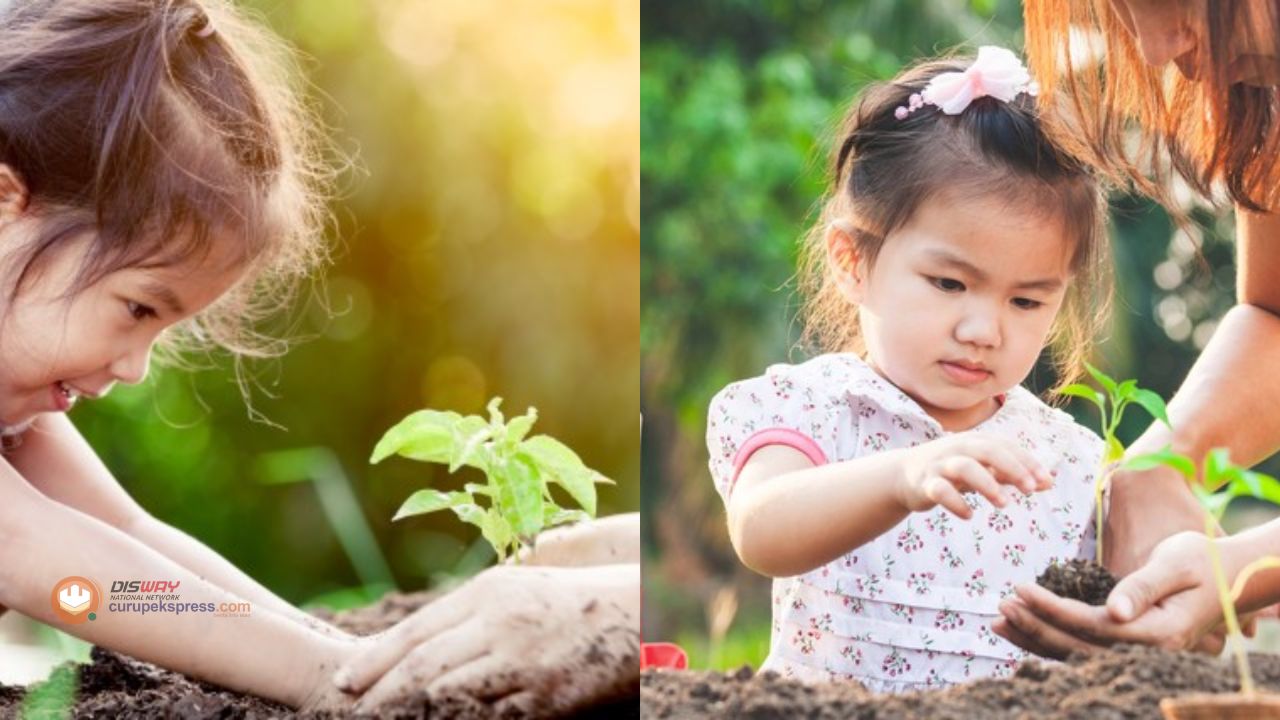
1170 602
1146 507
532 640
604 541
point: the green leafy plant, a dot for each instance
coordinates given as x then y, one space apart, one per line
519 470
1115 398
1231 482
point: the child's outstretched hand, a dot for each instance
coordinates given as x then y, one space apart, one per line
938 472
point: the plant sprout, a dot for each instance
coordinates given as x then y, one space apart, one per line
519 470
1111 405
1232 482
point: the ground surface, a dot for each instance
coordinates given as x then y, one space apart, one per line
1125 682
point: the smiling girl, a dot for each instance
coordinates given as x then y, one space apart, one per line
158 186
900 485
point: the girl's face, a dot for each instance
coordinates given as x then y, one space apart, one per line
56 349
1176 30
957 306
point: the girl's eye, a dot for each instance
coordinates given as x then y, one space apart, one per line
1027 303
947 285
139 311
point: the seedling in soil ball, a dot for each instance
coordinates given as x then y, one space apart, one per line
1082 580
519 471
1111 405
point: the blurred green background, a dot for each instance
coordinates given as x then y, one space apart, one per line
739 100
487 244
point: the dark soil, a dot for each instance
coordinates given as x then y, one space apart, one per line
116 686
1127 681
1083 580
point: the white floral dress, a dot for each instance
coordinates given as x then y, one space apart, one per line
913 608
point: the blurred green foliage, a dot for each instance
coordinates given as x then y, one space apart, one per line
739 101
486 243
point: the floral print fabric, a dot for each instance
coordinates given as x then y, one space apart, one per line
913 608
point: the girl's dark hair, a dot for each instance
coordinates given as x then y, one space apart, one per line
884 168
153 127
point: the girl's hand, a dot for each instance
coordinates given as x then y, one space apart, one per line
937 472
531 640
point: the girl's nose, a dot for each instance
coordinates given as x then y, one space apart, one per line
979 327
131 368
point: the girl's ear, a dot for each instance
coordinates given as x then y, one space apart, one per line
847 268
13 194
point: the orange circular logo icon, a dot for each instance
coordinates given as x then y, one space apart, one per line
75 600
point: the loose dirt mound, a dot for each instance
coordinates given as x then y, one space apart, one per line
1124 682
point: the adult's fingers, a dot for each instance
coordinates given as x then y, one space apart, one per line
453 649
522 704
487 679
1034 634
1146 586
366 667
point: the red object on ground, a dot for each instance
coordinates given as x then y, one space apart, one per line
663 655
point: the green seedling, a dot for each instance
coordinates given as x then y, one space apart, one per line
1112 403
1231 481
519 470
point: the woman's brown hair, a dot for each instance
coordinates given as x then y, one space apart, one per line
1205 131
883 168
154 127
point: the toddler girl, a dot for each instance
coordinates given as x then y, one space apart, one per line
900 487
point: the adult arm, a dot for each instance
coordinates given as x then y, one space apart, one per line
605 541
55 458
1231 399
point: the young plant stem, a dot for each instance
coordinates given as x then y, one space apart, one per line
1234 636
1103 476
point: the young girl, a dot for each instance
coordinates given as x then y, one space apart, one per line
158 181
899 488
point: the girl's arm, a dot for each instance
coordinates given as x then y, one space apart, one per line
1231 399
55 458
42 542
787 516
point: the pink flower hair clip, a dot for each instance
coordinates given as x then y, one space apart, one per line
997 73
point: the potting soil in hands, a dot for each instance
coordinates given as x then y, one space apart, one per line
1083 580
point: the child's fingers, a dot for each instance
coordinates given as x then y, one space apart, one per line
969 474
941 491
1011 464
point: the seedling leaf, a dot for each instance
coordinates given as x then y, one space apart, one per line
429 501
1103 379
1086 392
1165 457
1153 404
